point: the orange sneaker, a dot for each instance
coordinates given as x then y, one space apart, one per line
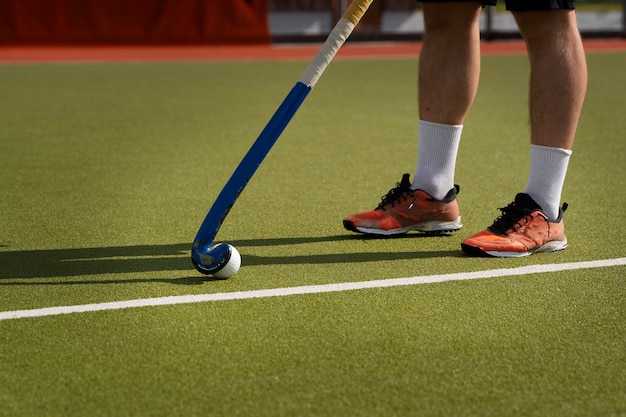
404 209
521 230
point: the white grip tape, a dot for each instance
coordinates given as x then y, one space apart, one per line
327 52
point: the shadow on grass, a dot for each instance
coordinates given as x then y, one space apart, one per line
48 263
281 241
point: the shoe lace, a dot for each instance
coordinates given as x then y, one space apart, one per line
400 191
510 218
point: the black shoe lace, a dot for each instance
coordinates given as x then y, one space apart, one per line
400 191
511 215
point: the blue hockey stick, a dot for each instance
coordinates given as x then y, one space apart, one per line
209 258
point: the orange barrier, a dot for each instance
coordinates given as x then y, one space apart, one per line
133 21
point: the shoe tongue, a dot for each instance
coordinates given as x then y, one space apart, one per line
524 201
405 182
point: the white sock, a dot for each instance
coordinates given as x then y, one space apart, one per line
438 145
548 167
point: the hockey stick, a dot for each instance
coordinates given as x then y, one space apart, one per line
209 258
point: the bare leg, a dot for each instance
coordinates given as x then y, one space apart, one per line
558 79
449 65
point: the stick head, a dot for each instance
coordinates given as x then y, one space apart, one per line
209 259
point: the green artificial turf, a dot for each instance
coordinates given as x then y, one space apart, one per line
107 170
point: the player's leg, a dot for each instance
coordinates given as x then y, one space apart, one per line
558 77
449 69
447 82
449 63
558 81
534 221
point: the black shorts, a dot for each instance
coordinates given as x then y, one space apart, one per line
521 5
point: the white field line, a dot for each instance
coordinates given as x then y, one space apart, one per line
310 289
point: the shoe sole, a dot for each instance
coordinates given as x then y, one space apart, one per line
429 227
552 246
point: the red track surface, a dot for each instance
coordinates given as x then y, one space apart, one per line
20 54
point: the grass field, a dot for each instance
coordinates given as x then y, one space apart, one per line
107 170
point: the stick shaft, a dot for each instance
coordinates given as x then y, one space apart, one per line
250 163
277 124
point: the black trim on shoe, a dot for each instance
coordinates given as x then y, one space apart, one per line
348 225
450 196
475 251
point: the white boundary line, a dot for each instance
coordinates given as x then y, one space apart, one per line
309 289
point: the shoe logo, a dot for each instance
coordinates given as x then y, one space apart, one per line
416 195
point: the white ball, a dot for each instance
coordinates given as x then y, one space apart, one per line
232 266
